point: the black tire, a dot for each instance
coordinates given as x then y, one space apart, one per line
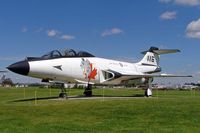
63 95
145 93
88 93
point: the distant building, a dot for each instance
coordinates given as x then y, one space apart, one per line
159 86
186 86
18 85
72 85
69 85
7 85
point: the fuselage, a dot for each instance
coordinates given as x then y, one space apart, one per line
72 69
71 66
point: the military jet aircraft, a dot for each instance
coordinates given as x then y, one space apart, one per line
82 67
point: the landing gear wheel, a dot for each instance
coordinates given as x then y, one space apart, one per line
88 91
63 95
148 91
145 93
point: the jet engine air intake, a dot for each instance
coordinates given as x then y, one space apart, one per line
106 76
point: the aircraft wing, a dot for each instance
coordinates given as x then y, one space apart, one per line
116 77
156 75
141 75
137 76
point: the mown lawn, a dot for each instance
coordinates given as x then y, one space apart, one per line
167 111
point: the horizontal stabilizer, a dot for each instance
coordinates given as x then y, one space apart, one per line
161 51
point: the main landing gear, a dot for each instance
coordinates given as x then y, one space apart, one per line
148 91
88 91
63 93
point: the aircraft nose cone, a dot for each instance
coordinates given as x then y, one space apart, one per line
21 67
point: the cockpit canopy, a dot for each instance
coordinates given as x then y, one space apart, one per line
66 53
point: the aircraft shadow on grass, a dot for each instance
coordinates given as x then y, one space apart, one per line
135 95
32 99
78 97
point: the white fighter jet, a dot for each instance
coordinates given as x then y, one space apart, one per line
69 66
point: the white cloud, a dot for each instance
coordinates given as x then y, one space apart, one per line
67 37
39 30
193 29
112 31
24 29
162 46
182 2
52 33
189 65
188 2
57 34
168 15
165 1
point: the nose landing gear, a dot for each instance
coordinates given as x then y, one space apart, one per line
63 93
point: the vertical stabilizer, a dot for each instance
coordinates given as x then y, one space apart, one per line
150 58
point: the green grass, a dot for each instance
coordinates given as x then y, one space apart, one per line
168 111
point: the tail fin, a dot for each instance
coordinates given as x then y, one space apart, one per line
152 58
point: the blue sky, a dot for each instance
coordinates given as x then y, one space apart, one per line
117 29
